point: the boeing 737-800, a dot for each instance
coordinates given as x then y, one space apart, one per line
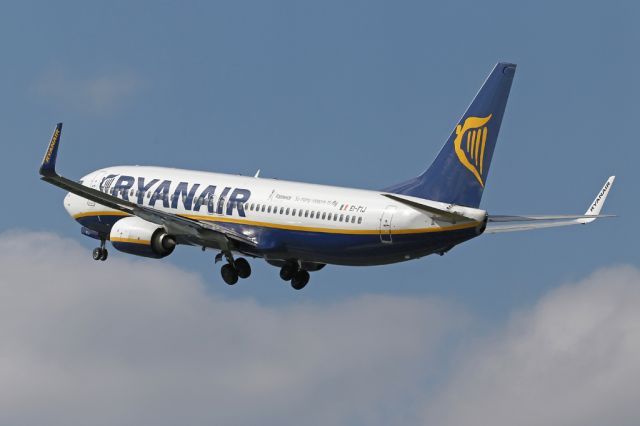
300 227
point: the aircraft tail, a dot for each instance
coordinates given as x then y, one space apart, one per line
459 173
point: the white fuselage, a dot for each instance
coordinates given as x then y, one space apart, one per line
277 210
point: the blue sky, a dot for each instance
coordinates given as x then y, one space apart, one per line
356 94
359 95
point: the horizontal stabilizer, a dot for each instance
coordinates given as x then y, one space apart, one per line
529 218
529 222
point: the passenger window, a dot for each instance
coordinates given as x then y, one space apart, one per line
341 217
281 210
269 209
359 220
324 215
149 194
328 216
311 215
353 219
346 219
335 217
300 213
306 213
263 207
251 207
293 213
287 211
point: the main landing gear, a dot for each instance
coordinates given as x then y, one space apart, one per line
291 271
234 268
100 253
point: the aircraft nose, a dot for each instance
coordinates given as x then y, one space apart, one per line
67 202
70 203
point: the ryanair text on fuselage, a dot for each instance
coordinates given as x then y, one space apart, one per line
183 191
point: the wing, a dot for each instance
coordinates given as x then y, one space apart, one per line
525 223
195 231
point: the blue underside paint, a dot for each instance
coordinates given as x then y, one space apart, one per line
337 249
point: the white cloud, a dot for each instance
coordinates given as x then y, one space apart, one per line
574 359
100 93
141 342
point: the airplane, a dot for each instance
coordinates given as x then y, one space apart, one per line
301 227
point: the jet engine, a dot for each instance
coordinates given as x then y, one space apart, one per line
136 236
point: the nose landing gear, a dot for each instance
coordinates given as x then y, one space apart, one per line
100 253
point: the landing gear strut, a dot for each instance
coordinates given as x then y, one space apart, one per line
100 253
234 268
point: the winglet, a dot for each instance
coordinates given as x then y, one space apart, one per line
48 167
598 202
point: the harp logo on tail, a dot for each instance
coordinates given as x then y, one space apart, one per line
469 144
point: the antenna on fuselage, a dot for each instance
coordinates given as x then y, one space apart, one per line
257 174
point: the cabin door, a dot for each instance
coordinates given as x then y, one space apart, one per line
385 224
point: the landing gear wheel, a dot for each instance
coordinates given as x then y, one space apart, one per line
242 267
97 253
229 274
299 280
105 254
288 271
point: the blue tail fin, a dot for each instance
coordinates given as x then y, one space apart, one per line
459 172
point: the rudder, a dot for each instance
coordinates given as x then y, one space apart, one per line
458 174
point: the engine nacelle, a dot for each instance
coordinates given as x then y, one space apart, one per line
136 236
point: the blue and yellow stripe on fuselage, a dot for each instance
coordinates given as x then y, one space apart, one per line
355 247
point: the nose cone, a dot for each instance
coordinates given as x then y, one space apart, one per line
67 202
72 204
